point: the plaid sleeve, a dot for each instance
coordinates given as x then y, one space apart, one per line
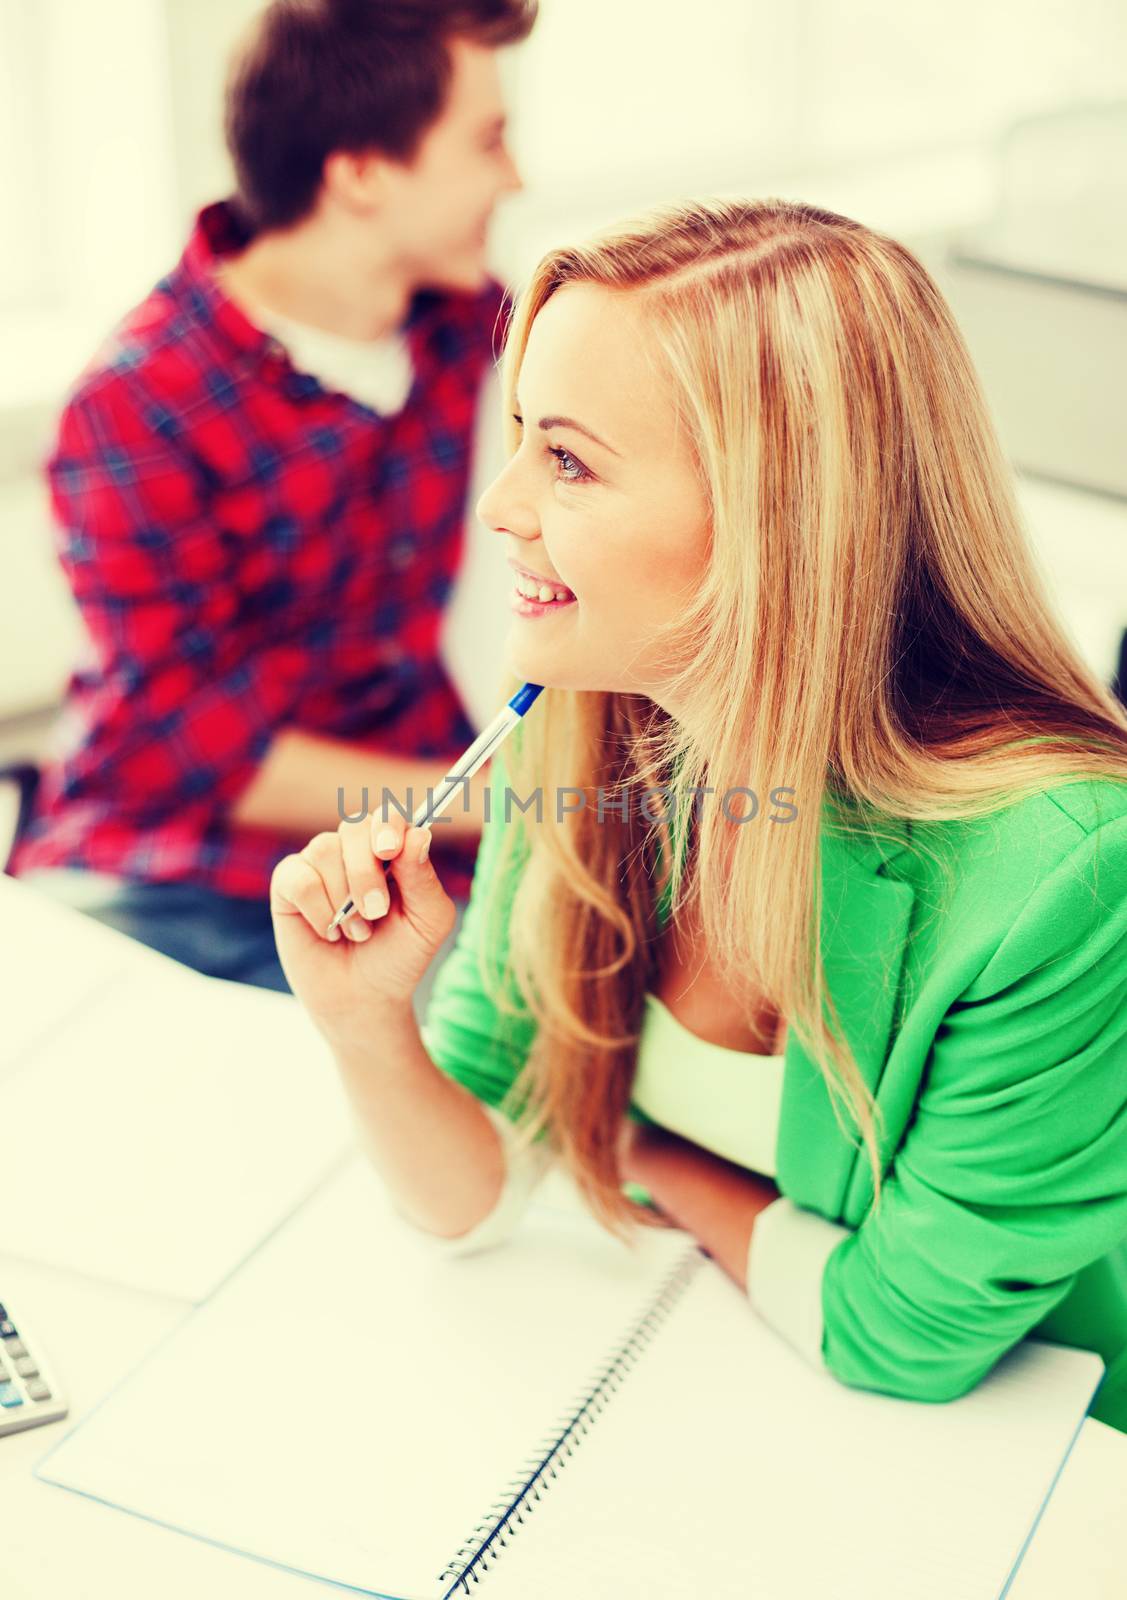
190 695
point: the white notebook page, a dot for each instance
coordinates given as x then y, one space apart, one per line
726 1466
54 960
351 1401
165 1126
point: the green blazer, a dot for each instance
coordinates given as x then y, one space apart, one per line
994 1036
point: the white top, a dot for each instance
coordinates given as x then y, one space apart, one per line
376 372
727 1101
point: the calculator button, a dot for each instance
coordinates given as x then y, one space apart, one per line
27 1368
7 1329
38 1390
8 1396
14 1349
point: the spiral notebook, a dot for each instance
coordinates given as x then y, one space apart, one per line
567 1415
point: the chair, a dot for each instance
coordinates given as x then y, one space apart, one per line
19 781
1119 682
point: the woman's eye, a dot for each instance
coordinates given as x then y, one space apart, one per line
573 470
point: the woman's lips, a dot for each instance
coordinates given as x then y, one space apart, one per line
524 607
539 578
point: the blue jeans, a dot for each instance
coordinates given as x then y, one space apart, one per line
221 935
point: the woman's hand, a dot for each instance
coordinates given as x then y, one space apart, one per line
636 1142
707 1195
372 964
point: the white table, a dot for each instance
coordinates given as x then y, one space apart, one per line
56 1544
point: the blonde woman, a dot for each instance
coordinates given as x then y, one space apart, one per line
818 948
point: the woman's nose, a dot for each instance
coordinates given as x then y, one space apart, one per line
484 509
502 511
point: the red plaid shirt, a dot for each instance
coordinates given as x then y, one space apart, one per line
249 551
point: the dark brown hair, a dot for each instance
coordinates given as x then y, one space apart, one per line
315 76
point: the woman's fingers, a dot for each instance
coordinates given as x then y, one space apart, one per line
367 886
386 838
297 888
352 864
314 883
324 851
426 905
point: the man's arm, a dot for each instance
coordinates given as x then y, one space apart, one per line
190 703
296 786
200 722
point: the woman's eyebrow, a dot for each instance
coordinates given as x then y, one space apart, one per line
569 422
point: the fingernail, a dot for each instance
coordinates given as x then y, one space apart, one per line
376 903
357 931
424 848
386 839
334 933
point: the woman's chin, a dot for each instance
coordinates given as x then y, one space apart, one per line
538 666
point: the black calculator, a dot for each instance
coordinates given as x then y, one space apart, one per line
29 1393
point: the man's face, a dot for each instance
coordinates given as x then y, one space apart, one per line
437 209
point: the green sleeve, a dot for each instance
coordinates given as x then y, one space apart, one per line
465 1033
1013 1175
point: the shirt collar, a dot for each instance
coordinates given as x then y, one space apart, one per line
220 230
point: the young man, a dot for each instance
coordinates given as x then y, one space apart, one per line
260 485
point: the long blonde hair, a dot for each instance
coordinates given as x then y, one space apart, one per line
870 626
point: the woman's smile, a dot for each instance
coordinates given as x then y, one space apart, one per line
600 499
535 595
525 606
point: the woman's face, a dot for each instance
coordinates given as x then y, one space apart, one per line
601 498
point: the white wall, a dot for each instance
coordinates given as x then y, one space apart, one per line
110 139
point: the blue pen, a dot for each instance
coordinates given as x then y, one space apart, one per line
478 753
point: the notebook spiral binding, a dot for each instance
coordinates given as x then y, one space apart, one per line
521 1495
